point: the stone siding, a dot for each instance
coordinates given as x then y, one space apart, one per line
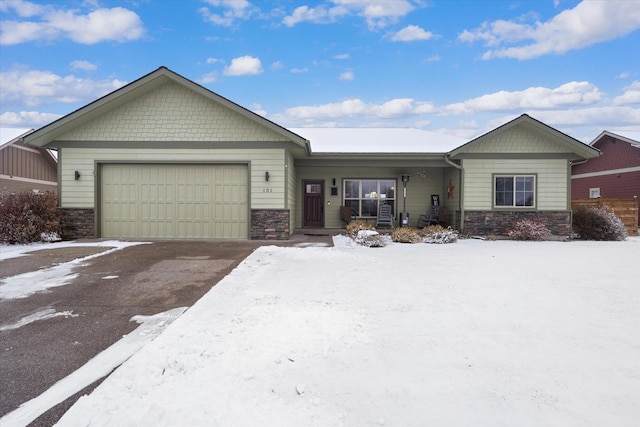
77 223
498 223
270 224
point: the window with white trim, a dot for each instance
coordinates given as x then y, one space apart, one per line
594 193
514 191
364 196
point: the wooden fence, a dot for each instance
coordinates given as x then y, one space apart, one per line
625 209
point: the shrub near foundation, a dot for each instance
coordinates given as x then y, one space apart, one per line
28 217
591 223
406 235
438 234
355 226
529 230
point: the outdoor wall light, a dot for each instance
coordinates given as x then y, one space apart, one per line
266 176
334 181
76 175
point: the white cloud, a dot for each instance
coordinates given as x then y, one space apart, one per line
36 87
23 9
355 107
232 10
316 15
278 65
32 119
213 60
209 77
411 33
341 56
588 23
566 95
599 117
377 13
115 24
83 65
631 95
243 65
299 70
347 76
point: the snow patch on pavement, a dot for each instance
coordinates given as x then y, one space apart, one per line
42 314
96 368
23 285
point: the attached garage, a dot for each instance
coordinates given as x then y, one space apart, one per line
180 201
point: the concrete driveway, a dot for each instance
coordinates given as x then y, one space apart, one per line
109 290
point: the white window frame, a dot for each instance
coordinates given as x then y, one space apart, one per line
594 193
375 195
515 192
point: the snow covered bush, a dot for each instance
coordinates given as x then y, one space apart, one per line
371 239
592 223
439 234
355 226
27 216
406 235
526 229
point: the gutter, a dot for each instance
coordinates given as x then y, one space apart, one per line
461 199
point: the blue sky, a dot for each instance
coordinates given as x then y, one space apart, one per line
457 67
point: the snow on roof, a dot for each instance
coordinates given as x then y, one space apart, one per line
10 134
377 140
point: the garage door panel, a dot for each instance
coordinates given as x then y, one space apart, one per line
174 201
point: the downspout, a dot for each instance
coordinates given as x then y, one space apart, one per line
461 199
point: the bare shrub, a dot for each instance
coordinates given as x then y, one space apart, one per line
438 234
406 235
526 229
592 223
355 226
28 217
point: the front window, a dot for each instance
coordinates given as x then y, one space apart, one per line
364 196
594 193
515 191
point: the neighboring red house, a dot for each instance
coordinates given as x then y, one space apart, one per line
25 167
616 173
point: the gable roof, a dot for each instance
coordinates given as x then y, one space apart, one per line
377 140
17 142
607 134
572 145
143 85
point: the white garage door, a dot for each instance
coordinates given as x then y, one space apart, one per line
174 201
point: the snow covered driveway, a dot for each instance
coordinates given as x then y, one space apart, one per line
472 333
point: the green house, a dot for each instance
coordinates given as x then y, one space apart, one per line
164 157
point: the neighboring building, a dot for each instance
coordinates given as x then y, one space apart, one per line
614 174
24 167
164 157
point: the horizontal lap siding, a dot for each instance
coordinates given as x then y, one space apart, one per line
551 181
80 193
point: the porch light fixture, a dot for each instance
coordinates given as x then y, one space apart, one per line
404 215
266 176
76 175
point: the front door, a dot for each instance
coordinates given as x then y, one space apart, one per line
313 204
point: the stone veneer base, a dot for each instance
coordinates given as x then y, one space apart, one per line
498 223
270 224
77 223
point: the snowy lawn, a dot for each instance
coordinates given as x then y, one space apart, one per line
471 333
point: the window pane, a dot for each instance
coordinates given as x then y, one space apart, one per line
351 189
369 208
354 205
504 191
369 189
387 189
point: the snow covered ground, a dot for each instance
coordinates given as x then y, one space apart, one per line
473 333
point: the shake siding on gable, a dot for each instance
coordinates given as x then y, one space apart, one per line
171 113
